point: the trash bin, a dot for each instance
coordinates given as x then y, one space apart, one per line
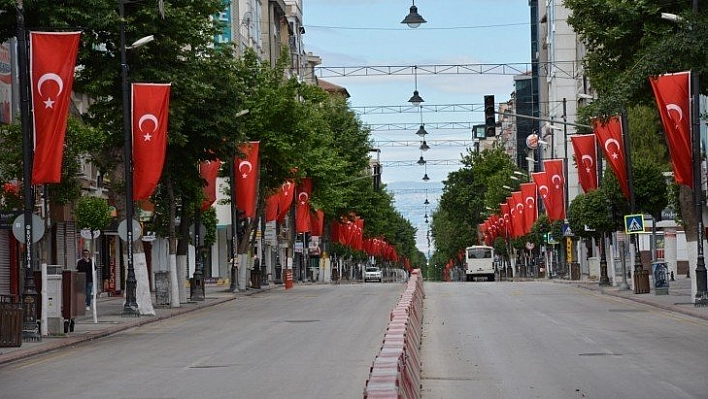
575 271
10 322
255 278
162 288
278 274
641 281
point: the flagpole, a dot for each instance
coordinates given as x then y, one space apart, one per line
604 277
701 283
130 307
30 327
198 276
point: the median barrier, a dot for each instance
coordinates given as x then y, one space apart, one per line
395 372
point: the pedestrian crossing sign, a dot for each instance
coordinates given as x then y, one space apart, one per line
633 224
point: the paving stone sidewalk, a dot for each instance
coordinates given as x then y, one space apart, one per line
110 321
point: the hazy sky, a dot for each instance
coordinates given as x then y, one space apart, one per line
458 32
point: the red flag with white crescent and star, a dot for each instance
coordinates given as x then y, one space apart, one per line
247 170
672 94
585 160
541 180
556 189
317 222
528 192
272 204
151 104
286 195
209 171
506 217
302 209
52 62
520 226
609 135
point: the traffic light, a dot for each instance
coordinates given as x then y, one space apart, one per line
545 238
490 121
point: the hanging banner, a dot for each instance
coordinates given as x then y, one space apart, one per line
52 62
151 104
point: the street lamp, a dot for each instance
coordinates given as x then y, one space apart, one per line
130 307
416 99
424 146
701 271
30 327
413 19
421 131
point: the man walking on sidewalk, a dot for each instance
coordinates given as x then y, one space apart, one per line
84 266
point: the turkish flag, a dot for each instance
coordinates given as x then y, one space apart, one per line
287 192
52 62
556 189
247 178
541 180
672 94
506 217
209 171
609 136
586 160
272 203
528 192
520 222
317 222
151 104
302 209
515 223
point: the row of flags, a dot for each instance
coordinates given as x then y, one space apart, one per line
52 63
519 212
53 59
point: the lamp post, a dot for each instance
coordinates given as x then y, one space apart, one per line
701 283
130 307
30 328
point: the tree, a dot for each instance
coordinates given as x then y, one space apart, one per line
92 213
629 41
467 194
589 215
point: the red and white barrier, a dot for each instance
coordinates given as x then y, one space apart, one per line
395 372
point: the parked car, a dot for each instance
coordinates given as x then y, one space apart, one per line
373 274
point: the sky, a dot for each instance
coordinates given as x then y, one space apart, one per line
351 33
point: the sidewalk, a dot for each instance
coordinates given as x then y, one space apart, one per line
110 321
678 300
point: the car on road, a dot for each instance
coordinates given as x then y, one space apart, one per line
373 274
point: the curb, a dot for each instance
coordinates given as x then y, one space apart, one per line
671 308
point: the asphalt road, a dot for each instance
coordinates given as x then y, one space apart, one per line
545 340
313 341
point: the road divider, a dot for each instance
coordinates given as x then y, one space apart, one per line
395 373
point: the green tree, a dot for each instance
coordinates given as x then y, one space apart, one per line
629 41
92 213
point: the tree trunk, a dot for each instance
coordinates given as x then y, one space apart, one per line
178 292
690 221
117 196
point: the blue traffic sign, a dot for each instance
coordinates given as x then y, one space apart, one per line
567 231
633 224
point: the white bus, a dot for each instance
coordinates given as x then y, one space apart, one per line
479 262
